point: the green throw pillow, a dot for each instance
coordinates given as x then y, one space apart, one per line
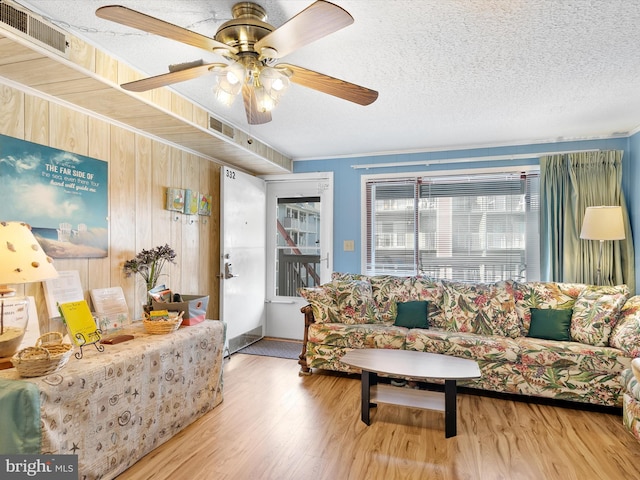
413 314
550 324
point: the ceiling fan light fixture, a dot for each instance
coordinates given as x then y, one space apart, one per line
228 82
230 78
264 101
274 82
223 97
234 75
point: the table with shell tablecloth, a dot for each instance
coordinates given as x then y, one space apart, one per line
113 407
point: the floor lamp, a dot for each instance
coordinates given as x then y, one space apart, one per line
602 223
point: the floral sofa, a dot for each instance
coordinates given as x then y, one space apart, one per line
510 328
631 399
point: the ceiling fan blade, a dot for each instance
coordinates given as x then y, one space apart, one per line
330 85
254 116
168 78
146 23
314 22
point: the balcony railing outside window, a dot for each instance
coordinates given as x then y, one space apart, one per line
481 228
297 245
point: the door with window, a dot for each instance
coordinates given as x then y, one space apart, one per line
299 239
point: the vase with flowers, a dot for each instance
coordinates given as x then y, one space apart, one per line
149 264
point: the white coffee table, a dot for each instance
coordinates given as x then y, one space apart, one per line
419 365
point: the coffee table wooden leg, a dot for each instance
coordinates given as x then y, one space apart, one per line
450 409
369 379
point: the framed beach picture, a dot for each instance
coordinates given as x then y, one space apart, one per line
62 195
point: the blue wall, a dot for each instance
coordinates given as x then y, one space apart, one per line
347 182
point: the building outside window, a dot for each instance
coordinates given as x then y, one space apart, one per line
480 228
297 244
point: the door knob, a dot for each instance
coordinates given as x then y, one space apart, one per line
228 272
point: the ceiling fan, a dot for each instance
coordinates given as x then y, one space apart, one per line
251 47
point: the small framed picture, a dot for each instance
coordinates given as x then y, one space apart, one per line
204 205
191 202
175 199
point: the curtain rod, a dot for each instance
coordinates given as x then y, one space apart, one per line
488 158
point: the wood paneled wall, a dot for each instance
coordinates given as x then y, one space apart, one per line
140 170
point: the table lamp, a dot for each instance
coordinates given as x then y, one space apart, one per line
602 223
22 260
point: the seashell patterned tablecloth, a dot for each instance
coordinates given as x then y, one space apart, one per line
111 408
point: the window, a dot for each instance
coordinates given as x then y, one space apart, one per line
480 228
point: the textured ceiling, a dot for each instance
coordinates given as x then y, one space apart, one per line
451 73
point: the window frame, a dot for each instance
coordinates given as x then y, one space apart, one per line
365 179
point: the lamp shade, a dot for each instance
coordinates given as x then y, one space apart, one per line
228 82
603 223
274 82
22 259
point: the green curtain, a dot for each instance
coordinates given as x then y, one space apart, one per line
569 183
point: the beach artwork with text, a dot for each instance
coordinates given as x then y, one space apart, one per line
62 195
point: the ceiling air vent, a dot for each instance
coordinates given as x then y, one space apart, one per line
33 28
13 17
218 126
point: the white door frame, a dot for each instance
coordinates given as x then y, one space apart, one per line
284 307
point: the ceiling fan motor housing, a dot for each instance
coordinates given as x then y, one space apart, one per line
247 27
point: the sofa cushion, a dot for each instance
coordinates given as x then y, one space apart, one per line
572 357
348 277
430 289
543 295
357 336
626 333
413 314
571 384
322 303
595 313
354 300
465 345
550 323
328 357
390 289
387 291
484 308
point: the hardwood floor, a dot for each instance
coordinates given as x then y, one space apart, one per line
274 424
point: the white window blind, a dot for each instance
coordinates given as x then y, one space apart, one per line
479 228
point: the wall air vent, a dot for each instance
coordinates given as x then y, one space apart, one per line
33 28
218 126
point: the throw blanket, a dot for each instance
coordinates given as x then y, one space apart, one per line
19 417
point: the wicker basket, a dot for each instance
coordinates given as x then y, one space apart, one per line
47 357
159 327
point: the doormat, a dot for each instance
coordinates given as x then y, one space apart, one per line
274 348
